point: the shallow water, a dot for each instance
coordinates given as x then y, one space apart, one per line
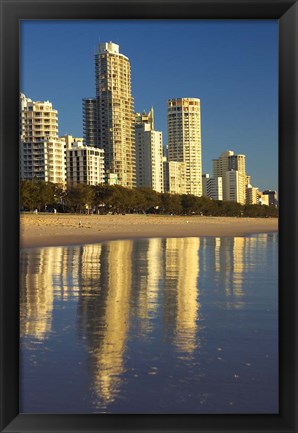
185 325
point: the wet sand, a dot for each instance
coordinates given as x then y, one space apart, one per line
38 230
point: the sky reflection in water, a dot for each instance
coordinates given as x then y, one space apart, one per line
177 325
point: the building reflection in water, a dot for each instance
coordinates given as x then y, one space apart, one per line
152 283
107 357
181 305
147 280
36 294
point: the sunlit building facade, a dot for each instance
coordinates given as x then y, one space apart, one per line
115 113
176 173
232 169
85 164
42 153
212 187
235 187
251 194
184 140
149 153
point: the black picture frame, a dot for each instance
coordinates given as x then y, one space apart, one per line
287 13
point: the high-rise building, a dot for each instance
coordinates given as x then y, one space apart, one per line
212 187
235 186
149 153
176 177
237 162
232 169
220 167
145 118
42 153
90 128
24 101
113 109
184 140
85 164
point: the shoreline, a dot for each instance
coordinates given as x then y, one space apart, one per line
49 230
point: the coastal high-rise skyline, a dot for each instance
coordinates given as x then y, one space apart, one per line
239 100
109 119
184 140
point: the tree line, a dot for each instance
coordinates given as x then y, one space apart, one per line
102 199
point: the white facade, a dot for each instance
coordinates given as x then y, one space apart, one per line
42 153
85 164
24 101
232 168
235 186
184 140
69 140
220 167
149 157
212 187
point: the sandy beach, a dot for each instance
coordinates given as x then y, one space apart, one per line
37 230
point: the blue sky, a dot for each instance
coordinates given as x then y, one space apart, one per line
231 65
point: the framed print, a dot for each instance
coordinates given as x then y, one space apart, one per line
148 216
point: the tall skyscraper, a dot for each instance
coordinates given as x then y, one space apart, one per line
184 140
149 153
113 110
42 153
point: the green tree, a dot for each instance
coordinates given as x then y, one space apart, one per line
79 197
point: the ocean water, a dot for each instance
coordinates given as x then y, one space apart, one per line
175 325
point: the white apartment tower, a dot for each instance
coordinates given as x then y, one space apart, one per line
85 164
149 153
42 154
115 113
184 140
232 169
235 186
220 167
